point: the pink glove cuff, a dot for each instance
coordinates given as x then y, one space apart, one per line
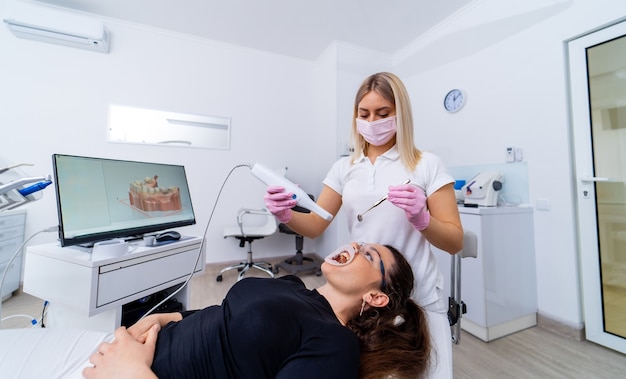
421 220
283 216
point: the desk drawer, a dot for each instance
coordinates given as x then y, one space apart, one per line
126 283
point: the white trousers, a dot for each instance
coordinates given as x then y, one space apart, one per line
441 338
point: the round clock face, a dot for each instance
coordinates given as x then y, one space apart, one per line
454 100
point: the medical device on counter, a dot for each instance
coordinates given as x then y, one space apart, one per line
482 189
271 178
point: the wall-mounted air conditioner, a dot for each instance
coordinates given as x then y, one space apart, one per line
60 28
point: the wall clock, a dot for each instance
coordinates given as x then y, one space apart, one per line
454 100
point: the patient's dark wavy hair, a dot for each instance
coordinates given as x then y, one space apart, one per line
395 342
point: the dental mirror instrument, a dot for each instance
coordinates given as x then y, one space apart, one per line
360 216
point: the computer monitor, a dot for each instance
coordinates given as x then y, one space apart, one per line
100 199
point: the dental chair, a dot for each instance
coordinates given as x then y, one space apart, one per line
456 306
298 263
252 224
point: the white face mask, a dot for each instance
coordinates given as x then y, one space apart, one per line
377 132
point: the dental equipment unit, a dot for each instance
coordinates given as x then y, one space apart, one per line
482 190
12 190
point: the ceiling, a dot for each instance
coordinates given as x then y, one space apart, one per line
289 27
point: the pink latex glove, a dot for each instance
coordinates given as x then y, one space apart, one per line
279 203
412 200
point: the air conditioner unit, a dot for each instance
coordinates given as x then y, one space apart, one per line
61 28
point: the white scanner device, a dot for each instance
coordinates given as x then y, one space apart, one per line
272 178
482 189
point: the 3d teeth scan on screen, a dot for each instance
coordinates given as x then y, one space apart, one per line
100 199
148 196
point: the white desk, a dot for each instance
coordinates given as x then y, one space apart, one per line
90 294
499 286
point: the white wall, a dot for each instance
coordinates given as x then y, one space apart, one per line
509 57
55 100
350 65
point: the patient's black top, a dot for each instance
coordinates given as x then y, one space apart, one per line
264 328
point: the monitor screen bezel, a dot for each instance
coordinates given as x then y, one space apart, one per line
128 233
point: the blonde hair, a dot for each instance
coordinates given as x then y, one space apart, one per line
390 87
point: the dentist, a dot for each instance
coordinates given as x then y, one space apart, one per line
415 215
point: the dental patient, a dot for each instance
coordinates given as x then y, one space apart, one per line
360 324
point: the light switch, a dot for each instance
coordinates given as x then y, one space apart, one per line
543 205
510 154
519 156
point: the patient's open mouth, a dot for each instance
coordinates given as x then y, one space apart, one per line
341 256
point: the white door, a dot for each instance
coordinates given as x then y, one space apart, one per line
598 104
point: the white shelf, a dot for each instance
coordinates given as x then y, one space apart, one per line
90 294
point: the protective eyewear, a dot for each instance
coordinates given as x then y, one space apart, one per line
345 254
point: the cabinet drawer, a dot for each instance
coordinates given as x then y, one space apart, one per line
8 248
126 282
12 280
16 231
12 220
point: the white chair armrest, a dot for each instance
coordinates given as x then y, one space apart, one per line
470 245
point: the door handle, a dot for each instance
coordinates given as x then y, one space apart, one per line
589 179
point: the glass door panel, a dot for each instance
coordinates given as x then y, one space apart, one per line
606 68
598 84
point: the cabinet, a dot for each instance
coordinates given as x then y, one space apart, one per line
11 237
499 287
90 294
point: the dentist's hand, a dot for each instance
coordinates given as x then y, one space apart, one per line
412 200
279 203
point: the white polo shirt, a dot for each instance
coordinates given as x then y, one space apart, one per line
361 184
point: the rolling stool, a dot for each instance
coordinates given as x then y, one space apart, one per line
246 232
298 263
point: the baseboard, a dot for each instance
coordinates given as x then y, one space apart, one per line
496 331
560 328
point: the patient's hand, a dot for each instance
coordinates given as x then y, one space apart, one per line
140 329
124 357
